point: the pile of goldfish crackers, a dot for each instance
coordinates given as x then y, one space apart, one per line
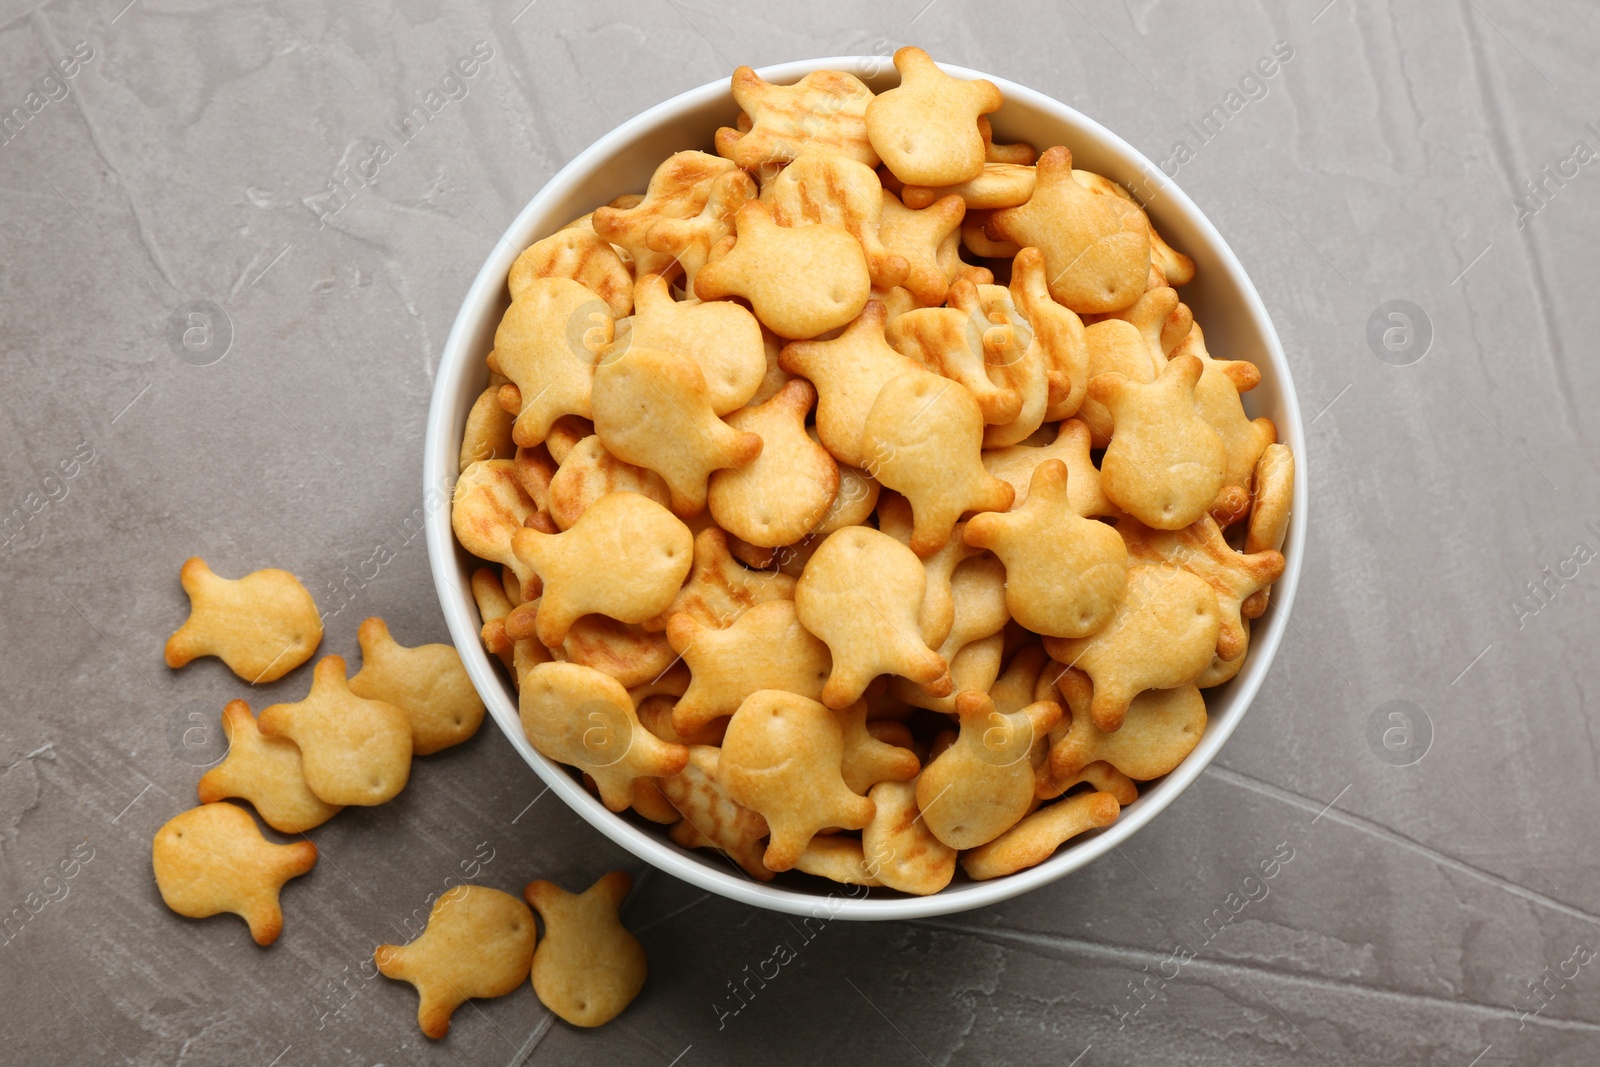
813 542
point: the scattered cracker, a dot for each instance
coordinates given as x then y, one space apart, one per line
479 942
267 772
213 859
427 682
354 750
589 967
262 626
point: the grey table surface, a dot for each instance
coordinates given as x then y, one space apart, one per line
1441 912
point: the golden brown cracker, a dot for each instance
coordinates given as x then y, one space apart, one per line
479 942
998 185
1065 575
1020 155
1016 464
837 858
653 409
1057 331
949 343
1272 495
711 817
1112 346
825 110
719 590
588 472
800 281
1165 464
493 607
626 651
782 757
213 859
262 626
588 967
979 787
1035 838
1200 549
488 430
578 254
924 438
784 492
848 372
1174 267
868 759
621 530
427 682
1162 636
678 189
764 648
720 337
938 611
1096 248
900 850
1244 440
353 750
1161 727
689 241
489 507
547 343
973 645
822 186
926 128
578 716
916 236
533 469
860 594
267 772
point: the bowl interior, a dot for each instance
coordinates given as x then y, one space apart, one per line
1225 304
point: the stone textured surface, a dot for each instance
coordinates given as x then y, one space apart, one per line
189 160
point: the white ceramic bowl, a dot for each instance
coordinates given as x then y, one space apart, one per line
1225 303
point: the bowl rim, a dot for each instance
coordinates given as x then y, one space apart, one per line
440 470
